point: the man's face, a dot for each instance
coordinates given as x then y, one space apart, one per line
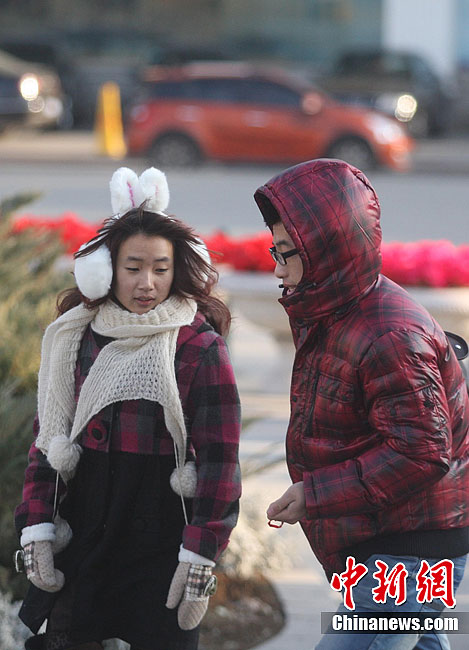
292 272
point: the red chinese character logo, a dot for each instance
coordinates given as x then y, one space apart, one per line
438 584
393 584
348 579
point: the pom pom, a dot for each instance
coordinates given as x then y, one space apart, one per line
63 455
126 192
63 535
93 273
155 189
184 481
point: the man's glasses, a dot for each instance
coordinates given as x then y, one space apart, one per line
281 258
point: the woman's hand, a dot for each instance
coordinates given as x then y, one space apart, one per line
39 567
190 588
291 507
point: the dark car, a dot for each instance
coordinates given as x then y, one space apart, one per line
44 49
399 83
87 57
30 94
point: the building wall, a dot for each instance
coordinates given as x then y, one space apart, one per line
312 31
427 27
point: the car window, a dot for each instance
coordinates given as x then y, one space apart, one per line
422 72
222 90
227 90
259 91
33 52
214 90
165 89
388 65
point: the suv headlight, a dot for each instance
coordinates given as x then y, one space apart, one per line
29 87
405 108
384 128
401 105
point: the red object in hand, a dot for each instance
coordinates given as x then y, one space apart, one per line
275 524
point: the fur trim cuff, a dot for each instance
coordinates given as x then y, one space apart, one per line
184 481
194 558
63 535
63 455
38 533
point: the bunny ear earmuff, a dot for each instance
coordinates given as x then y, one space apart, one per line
126 192
155 189
93 272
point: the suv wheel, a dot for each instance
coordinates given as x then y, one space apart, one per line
353 150
175 150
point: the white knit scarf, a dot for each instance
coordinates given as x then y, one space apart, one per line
138 364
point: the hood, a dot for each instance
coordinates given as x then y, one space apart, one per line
331 212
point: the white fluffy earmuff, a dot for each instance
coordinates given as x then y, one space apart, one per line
93 273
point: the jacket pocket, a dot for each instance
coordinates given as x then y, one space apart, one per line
334 408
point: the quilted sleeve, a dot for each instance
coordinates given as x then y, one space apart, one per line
409 425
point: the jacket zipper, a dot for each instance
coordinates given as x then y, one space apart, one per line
315 384
311 412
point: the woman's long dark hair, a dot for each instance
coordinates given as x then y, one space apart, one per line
194 277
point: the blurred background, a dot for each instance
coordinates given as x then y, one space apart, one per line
229 87
369 52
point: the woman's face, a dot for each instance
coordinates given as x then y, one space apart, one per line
144 272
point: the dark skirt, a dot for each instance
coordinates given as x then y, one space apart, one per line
127 528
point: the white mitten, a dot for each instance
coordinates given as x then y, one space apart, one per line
39 567
190 588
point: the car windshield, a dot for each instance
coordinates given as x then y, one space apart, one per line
374 65
39 53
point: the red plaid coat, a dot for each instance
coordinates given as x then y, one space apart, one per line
379 408
211 406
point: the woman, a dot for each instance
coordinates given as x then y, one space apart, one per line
133 482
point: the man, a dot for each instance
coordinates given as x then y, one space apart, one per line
377 445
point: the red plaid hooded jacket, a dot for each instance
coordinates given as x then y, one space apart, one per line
210 403
379 410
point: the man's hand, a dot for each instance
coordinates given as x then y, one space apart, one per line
291 507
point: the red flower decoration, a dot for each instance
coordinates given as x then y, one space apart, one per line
423 263
72 231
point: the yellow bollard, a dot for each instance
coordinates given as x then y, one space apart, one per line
108 126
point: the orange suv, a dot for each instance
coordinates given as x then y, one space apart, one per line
240 112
